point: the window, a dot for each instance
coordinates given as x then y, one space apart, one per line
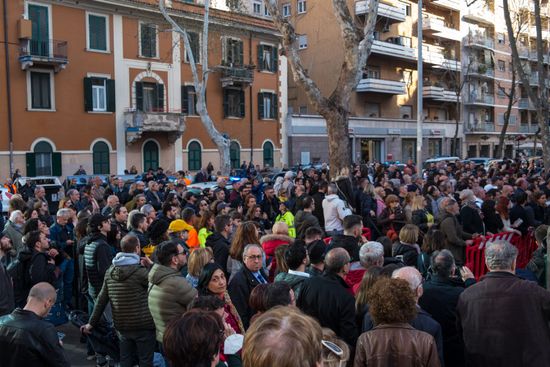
257 7
99 94
233 53
194 41
149 97
407 7
150 155
233 103
267 105
373 72
268 154
302 41
301 6
372 109
408 150
235 154
434 148
266 12
287 10
43 161
39 17
406 111
97 32
41 91
194 156
501 65
147 40
500 93
188 100
501 38
267 58
303 110
101 158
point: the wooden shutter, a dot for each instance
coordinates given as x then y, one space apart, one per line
31 164
225 103
111 102
261 106
274 59
274 106
184 100
240 56
88 98
260 57
241 100
139 96
160 98
56 164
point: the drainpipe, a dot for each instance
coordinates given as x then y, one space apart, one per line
251 100
8 84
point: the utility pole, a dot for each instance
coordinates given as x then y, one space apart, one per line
419 91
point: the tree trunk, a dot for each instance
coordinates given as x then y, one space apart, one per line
511 97
338 141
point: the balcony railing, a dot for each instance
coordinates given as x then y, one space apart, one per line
481 70
525 128
484 99
236 75
437 27
526 104
393 48
479 14
161 121
381 86
394 13
486 127
44 52
448 4
439 94
478 40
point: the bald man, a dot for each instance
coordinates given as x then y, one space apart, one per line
423 320
27 340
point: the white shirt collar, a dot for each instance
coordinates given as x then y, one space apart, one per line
300 273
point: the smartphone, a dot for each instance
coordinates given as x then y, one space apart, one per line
332 347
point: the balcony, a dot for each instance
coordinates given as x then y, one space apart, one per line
526 104
533 32
432 55
439 94
236 75
437 28
480 99
480 70
392 47
374 85
448 4
45 53
449 64
523 52
394 13
138 122
486 127
478 40
529 129
479 14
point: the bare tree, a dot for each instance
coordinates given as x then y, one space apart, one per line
511 95
357 43
538 97
200 80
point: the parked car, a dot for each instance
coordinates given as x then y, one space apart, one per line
428 162
79 181
486 162
52 185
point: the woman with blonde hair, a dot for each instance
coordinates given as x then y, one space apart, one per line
380 195
421 217
407 248
197 260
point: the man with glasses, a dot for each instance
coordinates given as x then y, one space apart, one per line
245 280
170 293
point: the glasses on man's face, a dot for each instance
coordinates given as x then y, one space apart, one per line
183 253
254 257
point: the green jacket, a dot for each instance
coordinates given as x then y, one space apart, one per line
170 295
125 286
288 218
293 280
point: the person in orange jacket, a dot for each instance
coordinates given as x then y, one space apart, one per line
188 216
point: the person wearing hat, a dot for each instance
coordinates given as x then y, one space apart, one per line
157 233
316 251
223 208
287 217
188 215
178 231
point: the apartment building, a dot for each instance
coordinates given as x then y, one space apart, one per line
466 76
107 85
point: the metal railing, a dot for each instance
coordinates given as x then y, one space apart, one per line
50 49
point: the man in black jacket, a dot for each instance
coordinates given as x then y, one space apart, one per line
97 254
318 197
440 298
245 280
42 265
270 204
27 340
328 298
351 239
304 218
6 287
219 240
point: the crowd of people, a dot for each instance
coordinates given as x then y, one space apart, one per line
364 269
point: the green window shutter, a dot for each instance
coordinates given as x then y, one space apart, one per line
260 57
111 105
184 100
97 31
88 99
31 164
274 106
139 96
240 56
160 98
274 59
261 105
241 100
225 103
56 164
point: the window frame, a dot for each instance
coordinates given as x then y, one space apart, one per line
256 3
107 32
301 45
226 47
29 90
237 92
287 10
195 160
140 48
96 88
271 107
301 4
273 57
197 59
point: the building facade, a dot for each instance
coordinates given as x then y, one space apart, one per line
462 92
107 85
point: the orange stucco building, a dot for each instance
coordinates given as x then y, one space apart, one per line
107 85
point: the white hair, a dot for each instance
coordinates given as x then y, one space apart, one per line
15 214
371 253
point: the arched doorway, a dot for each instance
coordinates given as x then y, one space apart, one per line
235 154
100 157
194 161
150 155
268 154
43 158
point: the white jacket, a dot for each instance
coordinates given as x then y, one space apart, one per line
334 210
